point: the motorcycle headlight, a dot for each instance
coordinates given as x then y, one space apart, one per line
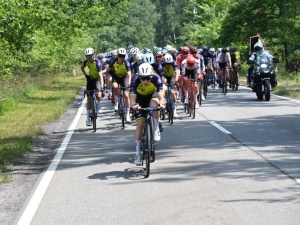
263 66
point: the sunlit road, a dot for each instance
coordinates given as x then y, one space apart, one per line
237 162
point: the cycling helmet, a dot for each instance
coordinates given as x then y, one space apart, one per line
191 61
224 50
258 46
139 57
193 49
185 49
219 50
134 51
212 50
100 56
121 51
157 52
89 51
114 52
146 50
145 70
148 58
164 51
169 48
129 48
168 58
205 49
232 49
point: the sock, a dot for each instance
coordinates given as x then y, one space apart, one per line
155 123
128 111
186 95
202 91
137 147
109 91
88 114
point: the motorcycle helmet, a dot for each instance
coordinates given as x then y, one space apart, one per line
145 70
148 58
89 51
168 58
258 46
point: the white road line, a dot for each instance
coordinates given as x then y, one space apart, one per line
220 127
39 193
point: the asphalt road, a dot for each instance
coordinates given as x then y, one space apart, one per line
237 162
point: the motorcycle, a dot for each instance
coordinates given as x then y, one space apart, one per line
263 77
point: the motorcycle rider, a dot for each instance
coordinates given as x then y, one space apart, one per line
259 52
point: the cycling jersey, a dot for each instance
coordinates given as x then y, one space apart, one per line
120 70
94 67
206 57
169 71
223 58
234 57
185 68
137 87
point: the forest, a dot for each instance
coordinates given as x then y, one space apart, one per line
39 37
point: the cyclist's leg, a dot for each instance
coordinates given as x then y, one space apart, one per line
140 122
116 91
154 104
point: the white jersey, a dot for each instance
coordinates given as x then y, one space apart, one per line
223 58
184 66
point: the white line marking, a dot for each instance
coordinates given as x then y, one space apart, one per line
220 127
39 193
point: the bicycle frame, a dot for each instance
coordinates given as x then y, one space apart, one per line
93 107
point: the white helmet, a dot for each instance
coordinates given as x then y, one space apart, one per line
114 52
168 58
139 57
89 51
149 58
258 46
134 51
145 69
121 51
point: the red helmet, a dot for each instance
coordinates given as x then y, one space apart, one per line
193 49
185 49
191 61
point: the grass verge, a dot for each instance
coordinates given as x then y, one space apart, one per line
40 101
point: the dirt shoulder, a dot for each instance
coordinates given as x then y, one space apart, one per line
28 169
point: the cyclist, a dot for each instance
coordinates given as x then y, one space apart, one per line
94 80
171 75
235 62
180 57
121 76
223 62
207 59
146 88
191 69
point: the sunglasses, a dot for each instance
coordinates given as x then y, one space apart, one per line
185 53
146 78
168 64
89 56
121 56
159 56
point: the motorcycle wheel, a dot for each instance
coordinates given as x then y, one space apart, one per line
267 90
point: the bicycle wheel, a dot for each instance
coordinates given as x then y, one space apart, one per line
193 107
199 97
152 153
94 115
205 88
122 111
171 104
147 150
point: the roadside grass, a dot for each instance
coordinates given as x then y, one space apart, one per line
22 114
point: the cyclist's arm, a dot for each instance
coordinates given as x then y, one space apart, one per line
82 68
